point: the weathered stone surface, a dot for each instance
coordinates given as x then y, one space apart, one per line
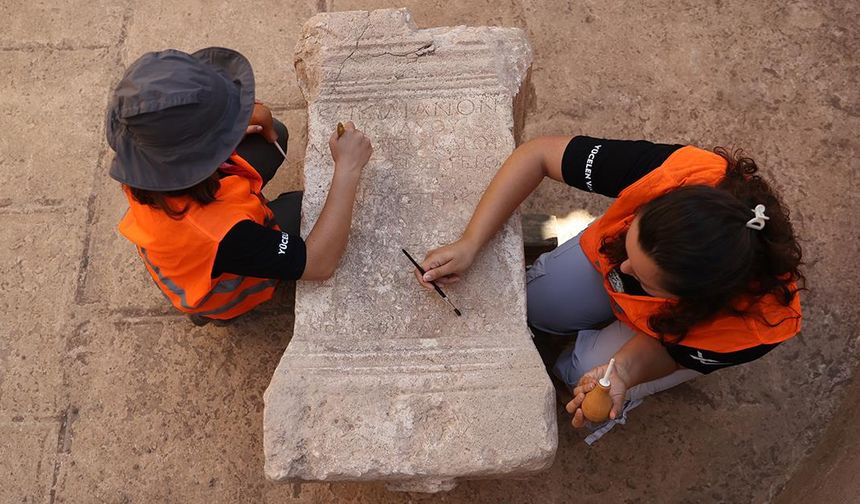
29 449
56 111
76 24
263 30
33 269
777 78
381 380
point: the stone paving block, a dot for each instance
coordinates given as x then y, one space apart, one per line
71 24
39 258
381 380
171 413
263 30
31 373
51 115
115 275
27 459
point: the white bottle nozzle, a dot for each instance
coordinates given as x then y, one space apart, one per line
604 382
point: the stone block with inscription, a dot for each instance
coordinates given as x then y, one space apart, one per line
382 381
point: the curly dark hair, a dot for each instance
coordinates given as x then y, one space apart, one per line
709 259
203 193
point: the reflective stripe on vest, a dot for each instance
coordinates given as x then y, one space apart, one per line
222 287
179 253
270 283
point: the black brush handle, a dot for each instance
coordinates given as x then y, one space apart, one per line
420 269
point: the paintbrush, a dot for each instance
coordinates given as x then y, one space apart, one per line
438 290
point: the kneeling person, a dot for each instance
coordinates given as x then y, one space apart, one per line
194 150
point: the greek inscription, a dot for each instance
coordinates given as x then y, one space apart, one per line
465 107
412 109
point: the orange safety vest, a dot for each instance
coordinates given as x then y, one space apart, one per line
725 333
179 254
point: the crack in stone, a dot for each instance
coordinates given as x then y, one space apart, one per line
64 445
357 41
104 153
427 48
30 209
53 46
84 263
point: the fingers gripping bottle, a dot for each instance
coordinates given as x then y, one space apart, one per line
597 403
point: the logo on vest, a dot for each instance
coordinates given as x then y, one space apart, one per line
285 241
615 281
589 163
706 361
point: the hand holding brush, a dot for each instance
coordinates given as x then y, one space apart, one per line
436 287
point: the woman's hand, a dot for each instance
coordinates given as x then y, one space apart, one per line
261 122
351 151
617 391
327 240
445 264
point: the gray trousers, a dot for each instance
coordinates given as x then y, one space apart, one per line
566 296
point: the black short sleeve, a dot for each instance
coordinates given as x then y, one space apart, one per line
608 166
250 249
705 361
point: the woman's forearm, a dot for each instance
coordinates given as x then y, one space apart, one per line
520 174
643 359
327 240
518 177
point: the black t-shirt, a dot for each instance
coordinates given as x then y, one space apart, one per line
609 166
250 249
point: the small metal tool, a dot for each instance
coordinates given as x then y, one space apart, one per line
280 149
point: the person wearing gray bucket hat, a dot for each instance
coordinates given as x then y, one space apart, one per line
174 117
193 150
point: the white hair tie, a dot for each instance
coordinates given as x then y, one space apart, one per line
757 222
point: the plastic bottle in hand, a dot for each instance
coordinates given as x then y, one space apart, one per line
597 403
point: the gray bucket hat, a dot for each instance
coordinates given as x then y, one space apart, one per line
175 117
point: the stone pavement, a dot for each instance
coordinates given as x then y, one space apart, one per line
106 395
